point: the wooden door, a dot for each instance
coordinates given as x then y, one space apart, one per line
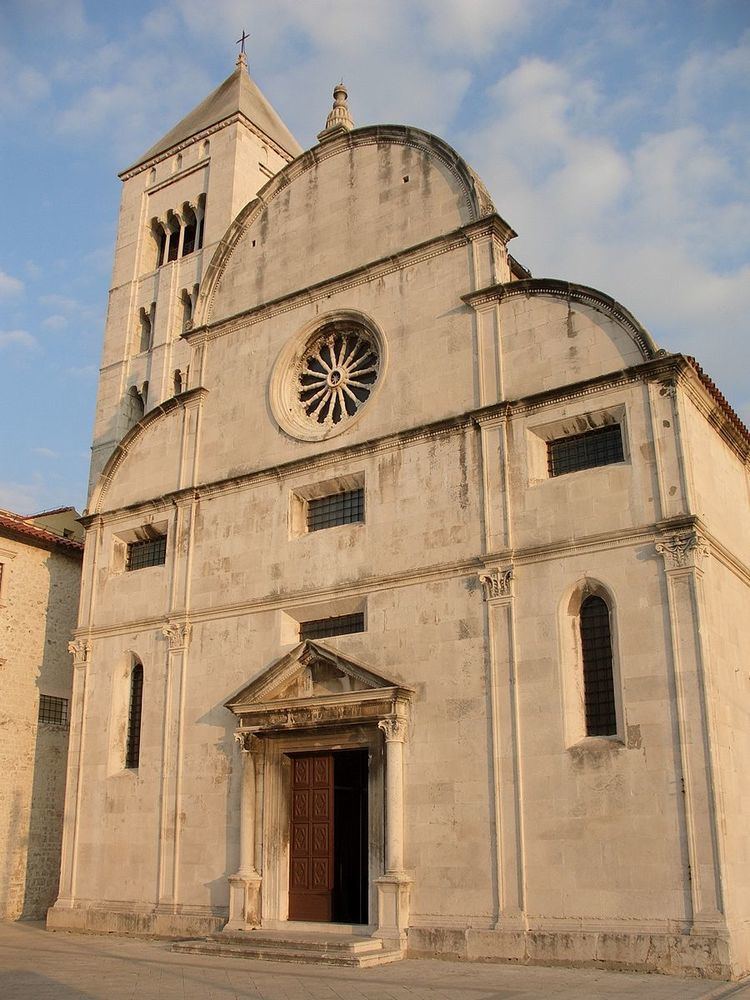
311 837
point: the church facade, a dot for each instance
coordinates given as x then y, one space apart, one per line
414 588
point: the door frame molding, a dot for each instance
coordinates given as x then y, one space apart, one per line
277 786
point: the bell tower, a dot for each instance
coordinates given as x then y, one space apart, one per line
177 201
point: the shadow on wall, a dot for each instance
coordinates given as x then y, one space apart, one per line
45 820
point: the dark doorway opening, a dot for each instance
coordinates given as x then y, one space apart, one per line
350 839
328 858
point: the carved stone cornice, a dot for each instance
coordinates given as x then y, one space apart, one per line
177 635
80 650
395 730
497 583
683 550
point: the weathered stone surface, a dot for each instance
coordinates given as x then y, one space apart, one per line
517 835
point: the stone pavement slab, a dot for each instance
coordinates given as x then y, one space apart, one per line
38 965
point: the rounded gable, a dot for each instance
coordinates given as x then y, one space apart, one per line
558 332
146 462
343 204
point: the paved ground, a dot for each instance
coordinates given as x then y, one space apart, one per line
37 965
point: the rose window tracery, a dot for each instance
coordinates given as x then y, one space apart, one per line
336 374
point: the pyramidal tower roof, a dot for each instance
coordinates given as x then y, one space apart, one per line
237 95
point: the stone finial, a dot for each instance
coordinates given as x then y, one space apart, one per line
339 119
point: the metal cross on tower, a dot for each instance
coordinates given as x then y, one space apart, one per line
241 41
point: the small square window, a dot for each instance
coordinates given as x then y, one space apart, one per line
338 508
152 552
602 446
322 628
53 711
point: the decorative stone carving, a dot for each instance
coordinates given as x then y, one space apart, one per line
394 730
177 634
248 742
683 549
79 649
668 388
496 583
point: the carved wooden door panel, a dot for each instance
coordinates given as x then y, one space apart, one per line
311 837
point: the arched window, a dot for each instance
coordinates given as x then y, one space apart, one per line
134 407
133 745
177 381
191 228
201 217
146 330
598 676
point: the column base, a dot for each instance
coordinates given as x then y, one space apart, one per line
393 909
244 902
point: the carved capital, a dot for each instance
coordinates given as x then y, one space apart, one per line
79 650
496 583
668 388
684 549
249 743
177 634
394 730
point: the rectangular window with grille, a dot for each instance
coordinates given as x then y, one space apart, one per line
602 446
53 711
322 628
152 552
338 508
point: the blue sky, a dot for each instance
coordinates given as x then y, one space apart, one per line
613 137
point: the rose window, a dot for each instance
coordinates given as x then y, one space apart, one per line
336 374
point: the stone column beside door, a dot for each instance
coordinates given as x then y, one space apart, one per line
394 886
245 884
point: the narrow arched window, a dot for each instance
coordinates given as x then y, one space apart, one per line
598 677
133 746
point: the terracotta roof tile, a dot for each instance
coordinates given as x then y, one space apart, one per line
17 525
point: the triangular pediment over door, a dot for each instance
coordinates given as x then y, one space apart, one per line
314 686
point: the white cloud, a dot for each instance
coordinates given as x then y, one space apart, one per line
45 452
21 498
18 338
55 322
662 225
9 285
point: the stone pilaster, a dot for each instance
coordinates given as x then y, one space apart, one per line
177 634
497 584
684 553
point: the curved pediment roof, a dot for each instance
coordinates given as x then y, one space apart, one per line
352 200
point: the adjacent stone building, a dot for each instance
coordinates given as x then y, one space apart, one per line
416 588
40 578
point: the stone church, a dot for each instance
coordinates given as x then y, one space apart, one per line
414 588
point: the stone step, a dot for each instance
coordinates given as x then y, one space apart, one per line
356 953
336 943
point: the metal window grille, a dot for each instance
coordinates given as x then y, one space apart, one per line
53 710
322 628
133 748
152 552
598 680
602 446
338 508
